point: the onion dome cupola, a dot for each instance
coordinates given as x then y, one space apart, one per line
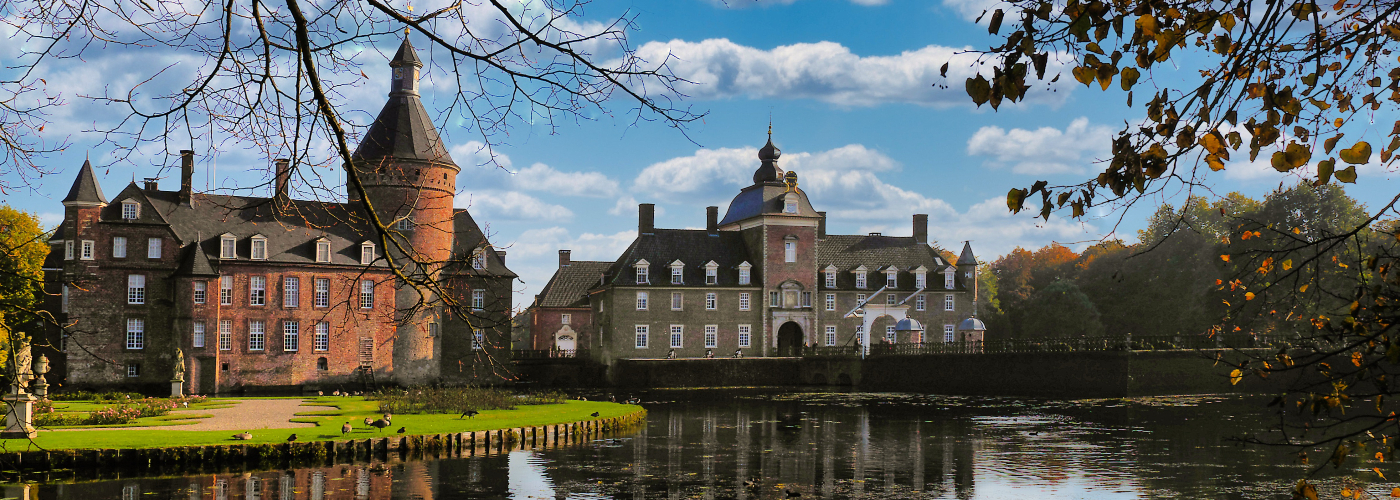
774 193
403 130
85 191
768 170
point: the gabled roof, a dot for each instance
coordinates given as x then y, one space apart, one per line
570 284
194 262
468 239
727 249
85 190
967 258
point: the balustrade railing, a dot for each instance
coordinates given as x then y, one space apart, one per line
1065 344
548 353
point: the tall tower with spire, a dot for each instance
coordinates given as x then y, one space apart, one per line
409 181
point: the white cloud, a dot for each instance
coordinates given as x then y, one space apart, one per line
541 177
1043 151
739 4
534 254
494 205
972 9
829 72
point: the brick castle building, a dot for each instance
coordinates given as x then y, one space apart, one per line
766 280
276 292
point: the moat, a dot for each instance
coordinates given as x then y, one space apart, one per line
754 444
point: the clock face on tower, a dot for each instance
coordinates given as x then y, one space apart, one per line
398 73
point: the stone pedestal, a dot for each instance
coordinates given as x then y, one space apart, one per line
19 417
177 388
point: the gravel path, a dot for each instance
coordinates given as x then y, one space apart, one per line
246 414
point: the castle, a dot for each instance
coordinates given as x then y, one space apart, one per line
276 292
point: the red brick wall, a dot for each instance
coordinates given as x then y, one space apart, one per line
546 322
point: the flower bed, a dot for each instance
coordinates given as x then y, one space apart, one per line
123 413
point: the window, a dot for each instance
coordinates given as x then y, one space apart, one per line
890 299
201 291
226 290
948 333
565 318
152 248
641 301
830 335
259 251
774 299
291 291
479 259
322 339
256 333
131 210
136 289
831 279
228 247
745 274
860 299
641 342
790 207
434 330
323 251
367 253
198 329
948 302
257 291
711 275
404 223
367 294
119 247
789 251
323 292
948 279
226 334
135 333
711 301
68 250
744 301
744 335
478 299
63 300
806 299
88 249
921 280
323 365
677 300
920 303
890 334
711 336
642 277
892 279
132 370
860 279
831 302
860 335
677 336
478 339
291 335
677 274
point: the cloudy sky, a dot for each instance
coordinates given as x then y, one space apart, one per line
851 88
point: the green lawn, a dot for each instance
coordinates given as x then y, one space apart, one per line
328 423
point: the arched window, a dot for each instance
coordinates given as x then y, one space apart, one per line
322 364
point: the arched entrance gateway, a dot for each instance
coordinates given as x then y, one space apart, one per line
790 339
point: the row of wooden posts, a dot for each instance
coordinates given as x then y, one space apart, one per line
59 465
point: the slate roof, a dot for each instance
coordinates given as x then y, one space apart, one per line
406 55
765 198
570 284
967 258
876 253
403 129
468 239
85 188
694 248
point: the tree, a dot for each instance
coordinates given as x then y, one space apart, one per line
1060 310
23 247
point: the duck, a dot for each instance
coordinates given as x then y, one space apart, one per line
345 429
790 492
291 438
402 430
594 414
243 436
634 401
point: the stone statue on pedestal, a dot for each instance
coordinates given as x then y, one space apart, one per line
177 384
19 404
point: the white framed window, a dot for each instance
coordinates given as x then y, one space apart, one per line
291 291
948 279
745 273
259 248
136 289
711 275
434 329
323 292
774 299
745 335
89 251
831 279
921 280
830 335
291 335
68 250
225 335
479 259
789 251
322 339
711 336
948 333
153 248
257 332
323 251
228 247
404 223
860 279
367 294
478 299
790 207
135 333
677 301
131 210
948 302
892 279
744 301
132 370
641 301
831 302
711 301
198 330
677 274
890 335
63 300
201 291
806 299
860 335
890 299
641 338
677 336
226 290
860 298
119 247
478 339
920 303
642 276
257 290
366 253
565 318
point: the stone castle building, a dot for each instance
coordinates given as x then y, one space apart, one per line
766 280
276 292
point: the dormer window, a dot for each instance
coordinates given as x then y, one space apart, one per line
830 277
711 273
892 277
948 279
745 273
678 273
920 277
259 251
366 253
404 223
131 210
228 247
479 259
323 250
860 277
642 277
790 204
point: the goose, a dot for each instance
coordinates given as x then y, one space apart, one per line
243 436
470 413
402 430
380 424
345 429
291 438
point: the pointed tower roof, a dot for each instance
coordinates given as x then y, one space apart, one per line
406 55
966 258
85 190
403 130
196 262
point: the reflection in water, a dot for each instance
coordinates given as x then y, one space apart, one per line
757 446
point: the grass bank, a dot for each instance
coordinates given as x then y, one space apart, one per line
328 424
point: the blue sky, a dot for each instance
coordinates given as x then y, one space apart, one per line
849 87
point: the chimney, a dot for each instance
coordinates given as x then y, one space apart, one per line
564 258
646 218
712 220
151 184
921 228
501 254
821 226
186 176
284 171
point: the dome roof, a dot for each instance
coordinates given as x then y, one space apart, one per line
769 152
908 325
768 171
972 323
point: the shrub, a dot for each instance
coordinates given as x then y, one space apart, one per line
51 419
100 397
456 399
